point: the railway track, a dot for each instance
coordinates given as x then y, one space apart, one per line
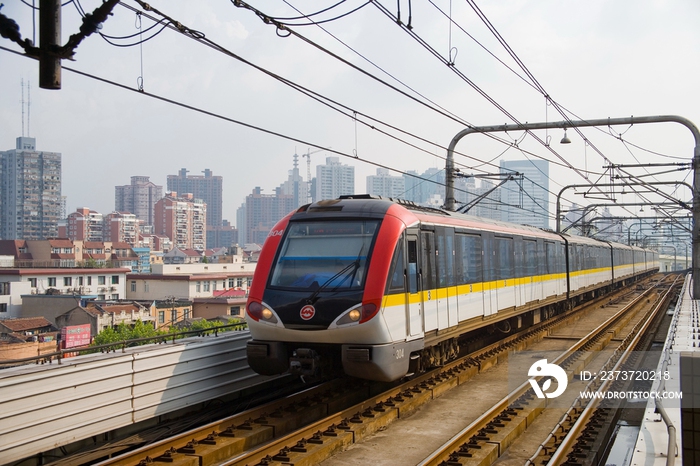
313 425
569 440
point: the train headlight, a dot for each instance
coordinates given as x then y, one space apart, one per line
349 317
258 311
357 315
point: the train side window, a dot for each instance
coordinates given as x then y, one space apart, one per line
551 258
474 248
489 258
412 267
562 258
461 260
504 258
441 258
450 257
541 258
530 262
428 262
397 276
577 257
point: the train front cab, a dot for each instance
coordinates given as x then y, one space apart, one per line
377 347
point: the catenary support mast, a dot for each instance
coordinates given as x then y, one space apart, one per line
450 169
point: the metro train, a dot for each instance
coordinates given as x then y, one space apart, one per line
385 288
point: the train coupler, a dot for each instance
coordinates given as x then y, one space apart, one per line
305 362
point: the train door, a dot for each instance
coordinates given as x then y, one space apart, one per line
428 273
469 273
490 302
505 272
414 288
530 263
446 292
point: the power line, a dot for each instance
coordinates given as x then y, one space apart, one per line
201 37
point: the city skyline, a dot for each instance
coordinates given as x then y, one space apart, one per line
595 60
520 201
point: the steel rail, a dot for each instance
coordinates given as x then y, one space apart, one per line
452 445
616 360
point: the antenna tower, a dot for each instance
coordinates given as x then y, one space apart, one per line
22 100
29 109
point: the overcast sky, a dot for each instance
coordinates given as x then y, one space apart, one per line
594 58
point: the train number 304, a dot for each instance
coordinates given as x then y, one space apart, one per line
399 353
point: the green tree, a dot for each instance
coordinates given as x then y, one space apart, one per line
126 332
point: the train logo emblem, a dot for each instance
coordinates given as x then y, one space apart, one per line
543 369
307 312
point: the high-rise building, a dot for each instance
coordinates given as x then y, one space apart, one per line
241 224
334 179
208 188
385 185
263 211
295 185
488 204
183 219
526 202
121 227
465 190
85 225
30 192
422 188
139 198
224 236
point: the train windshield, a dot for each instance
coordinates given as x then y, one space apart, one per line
325 255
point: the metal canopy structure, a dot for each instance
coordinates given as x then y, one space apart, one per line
450 169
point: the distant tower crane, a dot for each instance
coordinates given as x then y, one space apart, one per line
308 171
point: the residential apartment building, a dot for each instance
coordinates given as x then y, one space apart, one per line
222 237
155 242
11 297
333 180
263 211
211 286
208 188
182 219
138 198
64 253
85 225
385 185
103 315
121 227
31 292
30 192
242 222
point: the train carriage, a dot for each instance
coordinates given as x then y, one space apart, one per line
385 288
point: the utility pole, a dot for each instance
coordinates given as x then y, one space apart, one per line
49 40
450 169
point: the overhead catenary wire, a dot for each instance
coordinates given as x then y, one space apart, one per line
201 37
480 91
534 81
231 120
269 20
532 78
